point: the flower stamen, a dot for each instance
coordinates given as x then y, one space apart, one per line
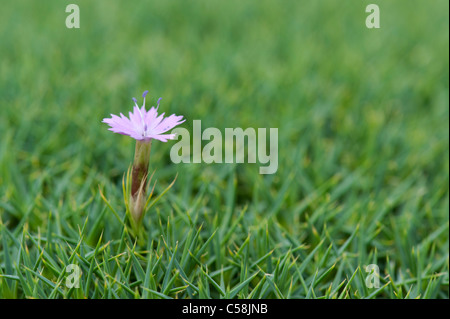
157 104
143 125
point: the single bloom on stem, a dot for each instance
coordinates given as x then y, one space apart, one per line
143 126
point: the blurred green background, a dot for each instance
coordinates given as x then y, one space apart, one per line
362 116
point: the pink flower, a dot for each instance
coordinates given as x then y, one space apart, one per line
144 125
